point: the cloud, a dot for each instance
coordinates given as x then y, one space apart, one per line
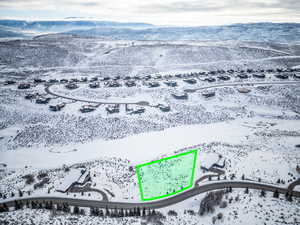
189 12
225 5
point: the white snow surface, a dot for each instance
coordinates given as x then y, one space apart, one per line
139 148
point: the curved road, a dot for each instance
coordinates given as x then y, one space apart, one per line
159 203
144 103
48 91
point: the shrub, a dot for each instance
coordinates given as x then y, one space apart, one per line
29 178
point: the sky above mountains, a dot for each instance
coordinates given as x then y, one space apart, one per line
158 12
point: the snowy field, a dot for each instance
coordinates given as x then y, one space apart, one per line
256 134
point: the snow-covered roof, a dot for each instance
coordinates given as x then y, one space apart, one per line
208 159
82 177
73 176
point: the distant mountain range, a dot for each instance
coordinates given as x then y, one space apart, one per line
266 32
66 24
22 28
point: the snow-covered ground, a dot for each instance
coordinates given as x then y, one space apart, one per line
255 133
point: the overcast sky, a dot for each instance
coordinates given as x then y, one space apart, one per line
160 12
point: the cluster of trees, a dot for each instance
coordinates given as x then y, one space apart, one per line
41 184
218 217
29 178
288 195
209 202
4 208
279 181
132 212
49 205
13 194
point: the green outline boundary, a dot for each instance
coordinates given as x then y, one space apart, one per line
194 151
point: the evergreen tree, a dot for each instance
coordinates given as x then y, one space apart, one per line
276 194
122 212
290 198
144 212
131 212
246 190
138 211
153 212
16 205
107 213
92 211
278 181
76 210
6 209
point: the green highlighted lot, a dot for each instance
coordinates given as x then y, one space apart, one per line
167 176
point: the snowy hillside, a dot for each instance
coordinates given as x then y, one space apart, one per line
261 32
78 114
141 57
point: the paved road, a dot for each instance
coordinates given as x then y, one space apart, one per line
49 91
159 203
293 185
88 188
144 103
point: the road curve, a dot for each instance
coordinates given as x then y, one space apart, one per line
48 91
159 203
293 185
144 103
